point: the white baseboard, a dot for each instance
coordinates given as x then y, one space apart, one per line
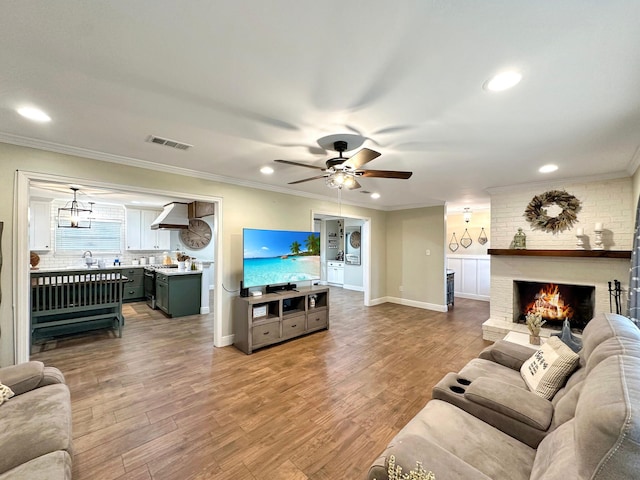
409 303
472 296
204 310
226 340
357 288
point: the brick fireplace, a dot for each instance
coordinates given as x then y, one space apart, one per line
590 273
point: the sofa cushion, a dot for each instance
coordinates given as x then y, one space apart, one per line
611 347
442 463
603 327
607 421
484 448
34 424
52 466
479 367
556 457
547 369
23 377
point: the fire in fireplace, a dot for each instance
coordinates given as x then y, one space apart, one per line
555 302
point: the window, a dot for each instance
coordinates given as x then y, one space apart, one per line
104 236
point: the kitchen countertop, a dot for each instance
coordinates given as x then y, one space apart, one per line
170 272
167 271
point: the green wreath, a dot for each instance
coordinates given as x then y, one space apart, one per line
536 213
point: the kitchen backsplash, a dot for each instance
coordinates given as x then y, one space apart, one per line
50 259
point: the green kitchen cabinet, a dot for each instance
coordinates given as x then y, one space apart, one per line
134 286
178 295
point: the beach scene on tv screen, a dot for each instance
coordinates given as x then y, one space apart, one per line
278 256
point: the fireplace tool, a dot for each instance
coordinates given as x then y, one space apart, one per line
615 296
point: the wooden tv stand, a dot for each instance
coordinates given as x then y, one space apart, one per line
276 317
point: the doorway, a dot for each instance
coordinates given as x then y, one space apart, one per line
21 255
338 240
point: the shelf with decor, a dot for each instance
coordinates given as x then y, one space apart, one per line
561 253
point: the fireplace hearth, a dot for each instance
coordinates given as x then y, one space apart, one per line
554 302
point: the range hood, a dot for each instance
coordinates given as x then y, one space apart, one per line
175 216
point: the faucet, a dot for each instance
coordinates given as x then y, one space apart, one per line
88 259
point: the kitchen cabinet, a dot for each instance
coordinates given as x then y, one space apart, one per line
139 233
335 273
134 286
178 295
39 225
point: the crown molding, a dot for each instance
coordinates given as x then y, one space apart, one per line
634 163
134 162
558 181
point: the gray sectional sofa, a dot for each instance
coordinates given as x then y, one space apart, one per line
35 424
484 423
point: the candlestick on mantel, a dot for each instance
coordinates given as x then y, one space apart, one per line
598 240
579 236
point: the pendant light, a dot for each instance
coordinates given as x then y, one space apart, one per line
74 214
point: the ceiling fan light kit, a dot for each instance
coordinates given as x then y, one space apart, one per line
341 172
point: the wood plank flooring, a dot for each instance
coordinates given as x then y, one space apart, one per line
162 403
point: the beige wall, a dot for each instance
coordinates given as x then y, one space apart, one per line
409 234
242 207
456 224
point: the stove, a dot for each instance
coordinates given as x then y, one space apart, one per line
150 282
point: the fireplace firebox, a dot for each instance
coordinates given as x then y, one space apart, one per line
555 302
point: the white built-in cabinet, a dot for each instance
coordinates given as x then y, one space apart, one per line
40 225
472 275
335 273
139 233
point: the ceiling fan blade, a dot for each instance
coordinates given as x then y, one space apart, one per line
307 179
299 164
385 174
363 156
355 186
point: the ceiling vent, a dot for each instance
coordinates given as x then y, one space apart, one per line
168 143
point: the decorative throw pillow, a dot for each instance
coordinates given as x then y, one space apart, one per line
5 393
546 371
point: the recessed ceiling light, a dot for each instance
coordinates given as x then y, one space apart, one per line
548 168
503 81
375 196
34 114
266 170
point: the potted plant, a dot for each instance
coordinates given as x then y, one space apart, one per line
534 324
182 260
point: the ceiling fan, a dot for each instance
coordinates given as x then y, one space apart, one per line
341 172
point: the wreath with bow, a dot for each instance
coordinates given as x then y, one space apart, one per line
536 212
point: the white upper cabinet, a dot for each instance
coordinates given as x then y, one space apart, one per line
40 225
139 233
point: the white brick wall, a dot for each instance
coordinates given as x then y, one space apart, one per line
609 202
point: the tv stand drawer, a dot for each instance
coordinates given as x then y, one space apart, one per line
317 320
265 333
293 326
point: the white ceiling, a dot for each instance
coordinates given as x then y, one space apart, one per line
250 82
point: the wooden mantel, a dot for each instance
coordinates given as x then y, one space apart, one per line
562 253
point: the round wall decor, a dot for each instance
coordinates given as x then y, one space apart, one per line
536 212
354 239
197 236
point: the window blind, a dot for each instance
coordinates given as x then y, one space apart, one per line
104 236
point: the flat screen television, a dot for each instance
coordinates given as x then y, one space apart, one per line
272 257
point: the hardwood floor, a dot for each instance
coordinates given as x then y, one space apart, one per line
162 403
